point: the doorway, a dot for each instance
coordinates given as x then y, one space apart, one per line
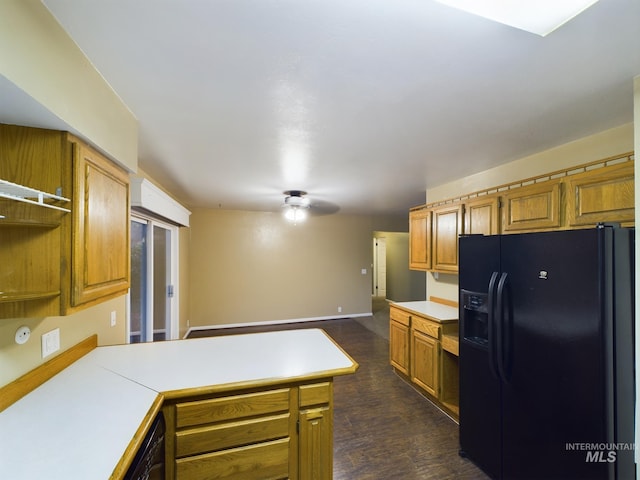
379 267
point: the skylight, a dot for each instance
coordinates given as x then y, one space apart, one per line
536 16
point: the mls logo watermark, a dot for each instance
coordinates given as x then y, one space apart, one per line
601 456
599 452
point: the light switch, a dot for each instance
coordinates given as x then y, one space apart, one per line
50 342
363 271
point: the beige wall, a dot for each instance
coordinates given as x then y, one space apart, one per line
255 267
595 147
39 58
16 360
42 61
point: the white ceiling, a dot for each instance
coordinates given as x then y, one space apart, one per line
363 103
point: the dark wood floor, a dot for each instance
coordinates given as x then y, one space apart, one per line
383 428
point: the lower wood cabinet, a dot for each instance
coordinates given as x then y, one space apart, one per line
276 433
416 351
425 353
399 339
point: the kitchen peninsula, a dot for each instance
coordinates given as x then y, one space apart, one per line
261 402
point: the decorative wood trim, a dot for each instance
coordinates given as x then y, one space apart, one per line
14 391
443 301
136 442
605 162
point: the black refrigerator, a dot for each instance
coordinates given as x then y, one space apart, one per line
547 354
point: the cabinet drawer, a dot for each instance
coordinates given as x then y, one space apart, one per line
254 462
400 316
315 394
425 326
231 434
232 408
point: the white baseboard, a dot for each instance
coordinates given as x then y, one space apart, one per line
273 322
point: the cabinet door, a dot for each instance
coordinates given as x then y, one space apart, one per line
100 254
424 362
399 346
602 195
447 226
481 216
316 444
532 207
420 239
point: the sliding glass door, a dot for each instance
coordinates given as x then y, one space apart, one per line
152 300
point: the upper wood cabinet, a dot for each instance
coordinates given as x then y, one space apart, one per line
100 233
532 207
420 239
602 195
31 234
603 192
482 215
54 261
447 226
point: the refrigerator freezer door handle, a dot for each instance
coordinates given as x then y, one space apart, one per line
491 324
501 328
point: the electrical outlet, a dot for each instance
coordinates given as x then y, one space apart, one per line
339 309
113 318
50 342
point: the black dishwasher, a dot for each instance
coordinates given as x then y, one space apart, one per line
148 463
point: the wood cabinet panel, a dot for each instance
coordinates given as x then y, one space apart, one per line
269 460
231 434
602 195
426 326
532 207
447 226
400 316
100 253
482 216
424 362
399 346
316 444
420 239
232 407
315 394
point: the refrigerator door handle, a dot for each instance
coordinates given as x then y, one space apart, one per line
491 325
501 332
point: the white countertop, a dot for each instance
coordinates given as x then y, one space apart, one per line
75 426
433 310
78 424
225 360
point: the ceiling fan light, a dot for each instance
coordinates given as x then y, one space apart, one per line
295 214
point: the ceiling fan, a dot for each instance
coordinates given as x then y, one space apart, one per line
297 206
